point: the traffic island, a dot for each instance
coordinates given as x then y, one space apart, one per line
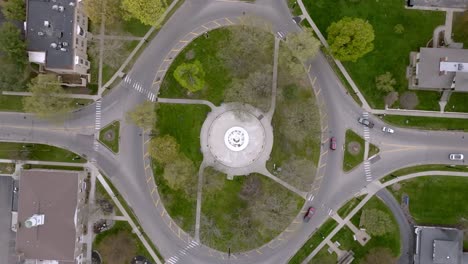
110 136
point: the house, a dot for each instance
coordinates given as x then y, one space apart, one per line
439 245
438 69
50 223
449 4
56 33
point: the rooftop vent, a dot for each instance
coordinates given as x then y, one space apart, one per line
46 23
55 7
72 4
65 44
40 33
63 49
35 220
53 45
61 8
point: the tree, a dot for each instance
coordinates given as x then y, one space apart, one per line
12 76
300 121
48 97
164 149
350 38
409 100
255 90
298 172
143 115
303 45
376 222
379 255
12 45
109 9
385 82
14 10
147 11
190 76
399 29
295 67
391 98
180 174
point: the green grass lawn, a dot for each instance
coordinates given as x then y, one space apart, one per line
457 103
391 52
183 122
324 257
348 207
460 22
29 151
429 123
217 77
11 103
438 200
373 149
420 168
313 241
390 240
51 167
243 214
7 168
113 132
350 161
119 244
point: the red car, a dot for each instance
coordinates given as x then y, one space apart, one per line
333 143
310 212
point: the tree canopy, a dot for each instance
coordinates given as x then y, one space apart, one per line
143 115
303 45
110 9
180 174
350 38
12 45
385 82
190 76
47 97
164 149
147 11
14 10
376 222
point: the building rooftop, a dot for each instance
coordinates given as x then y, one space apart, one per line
54 195
438 245
50 27
436 68
463 4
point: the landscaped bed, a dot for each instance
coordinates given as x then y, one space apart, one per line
354 150
391 51
244 213
382 227
110 136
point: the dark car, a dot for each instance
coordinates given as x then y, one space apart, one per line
366 122
310 212
332 143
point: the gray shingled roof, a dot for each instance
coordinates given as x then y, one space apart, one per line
60 30
438 245
54 194
440 3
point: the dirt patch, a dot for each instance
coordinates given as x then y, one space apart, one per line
396 187
251 188
117 248
354 148
109 135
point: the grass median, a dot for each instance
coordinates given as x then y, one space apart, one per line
354 150
110 136
429 123
40 152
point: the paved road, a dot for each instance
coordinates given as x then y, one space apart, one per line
406 230
128 173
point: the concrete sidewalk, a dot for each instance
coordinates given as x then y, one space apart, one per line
404 112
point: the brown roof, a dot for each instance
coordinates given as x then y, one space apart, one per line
54 194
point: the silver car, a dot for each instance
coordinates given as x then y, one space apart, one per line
388 130
456 156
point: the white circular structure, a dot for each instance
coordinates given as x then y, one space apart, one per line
236 138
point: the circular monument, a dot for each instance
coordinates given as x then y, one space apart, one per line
236 138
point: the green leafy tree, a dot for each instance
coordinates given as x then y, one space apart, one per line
12 45
350 38
164 149
143 115
12 76
14 10
180 174
376 222
303 45
190 76
147 11
294 66
385 82
109 9
48 97
399 29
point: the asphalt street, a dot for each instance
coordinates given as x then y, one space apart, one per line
126 170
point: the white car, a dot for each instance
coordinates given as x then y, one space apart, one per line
456 156
388 130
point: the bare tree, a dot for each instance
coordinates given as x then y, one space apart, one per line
181 174
409 100
376 222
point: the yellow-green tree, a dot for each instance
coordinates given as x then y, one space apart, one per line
190 76
147 11
164 149
143 115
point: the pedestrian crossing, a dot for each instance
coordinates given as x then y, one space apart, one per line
97 123
139 88
182 252
367 171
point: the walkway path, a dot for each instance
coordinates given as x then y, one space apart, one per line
199 201
405 112
286 185
135 229
186 101
361 236
74 96
275 80
322 39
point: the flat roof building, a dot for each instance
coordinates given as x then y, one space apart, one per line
438 69
439 245
453 4
56 35
48 216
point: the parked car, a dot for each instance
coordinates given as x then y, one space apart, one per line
456 156
366 122
388 130
332 143
310 212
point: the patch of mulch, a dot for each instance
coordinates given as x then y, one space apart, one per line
109 135
354 148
